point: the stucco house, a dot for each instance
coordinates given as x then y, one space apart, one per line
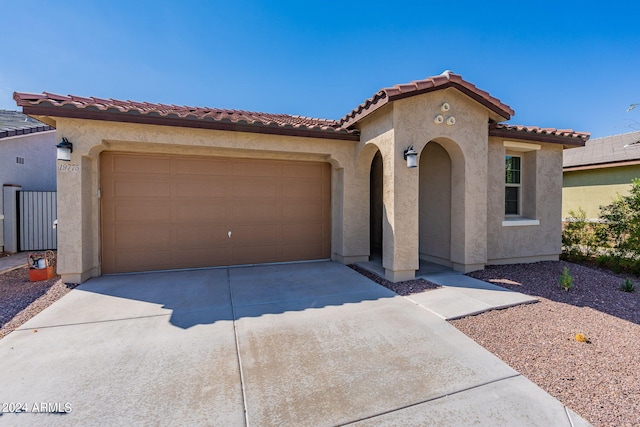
599 172
27 162
153 187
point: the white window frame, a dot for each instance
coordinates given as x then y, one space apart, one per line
513 148
518 185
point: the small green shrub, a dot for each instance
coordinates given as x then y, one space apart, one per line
580 236
628 286
566 281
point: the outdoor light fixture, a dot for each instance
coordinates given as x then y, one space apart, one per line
65 148
411 156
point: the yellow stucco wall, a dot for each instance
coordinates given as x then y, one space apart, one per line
590 189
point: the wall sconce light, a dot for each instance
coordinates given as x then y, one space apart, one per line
411 156
65 148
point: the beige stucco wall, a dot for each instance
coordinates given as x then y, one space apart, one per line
542 195
79 205
435 204
410 121
458 222
590 189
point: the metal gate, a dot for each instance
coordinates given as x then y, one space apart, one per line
36 214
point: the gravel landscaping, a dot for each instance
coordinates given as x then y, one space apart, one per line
21 299
598 379
401 288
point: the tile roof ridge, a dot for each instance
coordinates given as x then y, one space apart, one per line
445 79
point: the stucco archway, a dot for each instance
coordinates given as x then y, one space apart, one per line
441 202
376 208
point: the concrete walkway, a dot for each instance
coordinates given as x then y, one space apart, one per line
12 262
460 295
309 344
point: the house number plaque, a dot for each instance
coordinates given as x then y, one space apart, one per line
68 167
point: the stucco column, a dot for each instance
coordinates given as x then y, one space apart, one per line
469 212
76 209
350 199
400 217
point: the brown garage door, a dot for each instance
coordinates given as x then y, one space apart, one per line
165 212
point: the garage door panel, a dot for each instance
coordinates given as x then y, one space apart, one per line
195 258
217 211
300 170
246 168
256 234
149 212
141 164
166 211
200 237
304 251
139 188
200 166
302 189
140 237
200 189
246 188
298 233
307 211
256 211
255 254
126 262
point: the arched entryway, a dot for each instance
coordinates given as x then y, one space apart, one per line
441 202
376 212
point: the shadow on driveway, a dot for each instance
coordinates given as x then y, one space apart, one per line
210 295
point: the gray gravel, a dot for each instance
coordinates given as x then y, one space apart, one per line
21 299
599 380
405 288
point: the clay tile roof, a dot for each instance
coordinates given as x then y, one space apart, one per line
567 137
13 123
55 105
605 151
443 81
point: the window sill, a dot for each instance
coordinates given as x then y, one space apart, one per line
519 222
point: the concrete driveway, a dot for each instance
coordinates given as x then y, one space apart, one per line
306 344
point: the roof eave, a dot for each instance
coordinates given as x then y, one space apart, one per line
566 141
94 114
601 165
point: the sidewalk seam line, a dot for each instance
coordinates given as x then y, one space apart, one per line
238 357
22 328
428 400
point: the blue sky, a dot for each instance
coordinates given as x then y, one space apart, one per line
563 64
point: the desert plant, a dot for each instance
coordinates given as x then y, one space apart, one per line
580 236
622 222
566 281
580 337
628 286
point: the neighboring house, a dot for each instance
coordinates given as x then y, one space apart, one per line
153 186
27 162
599 172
